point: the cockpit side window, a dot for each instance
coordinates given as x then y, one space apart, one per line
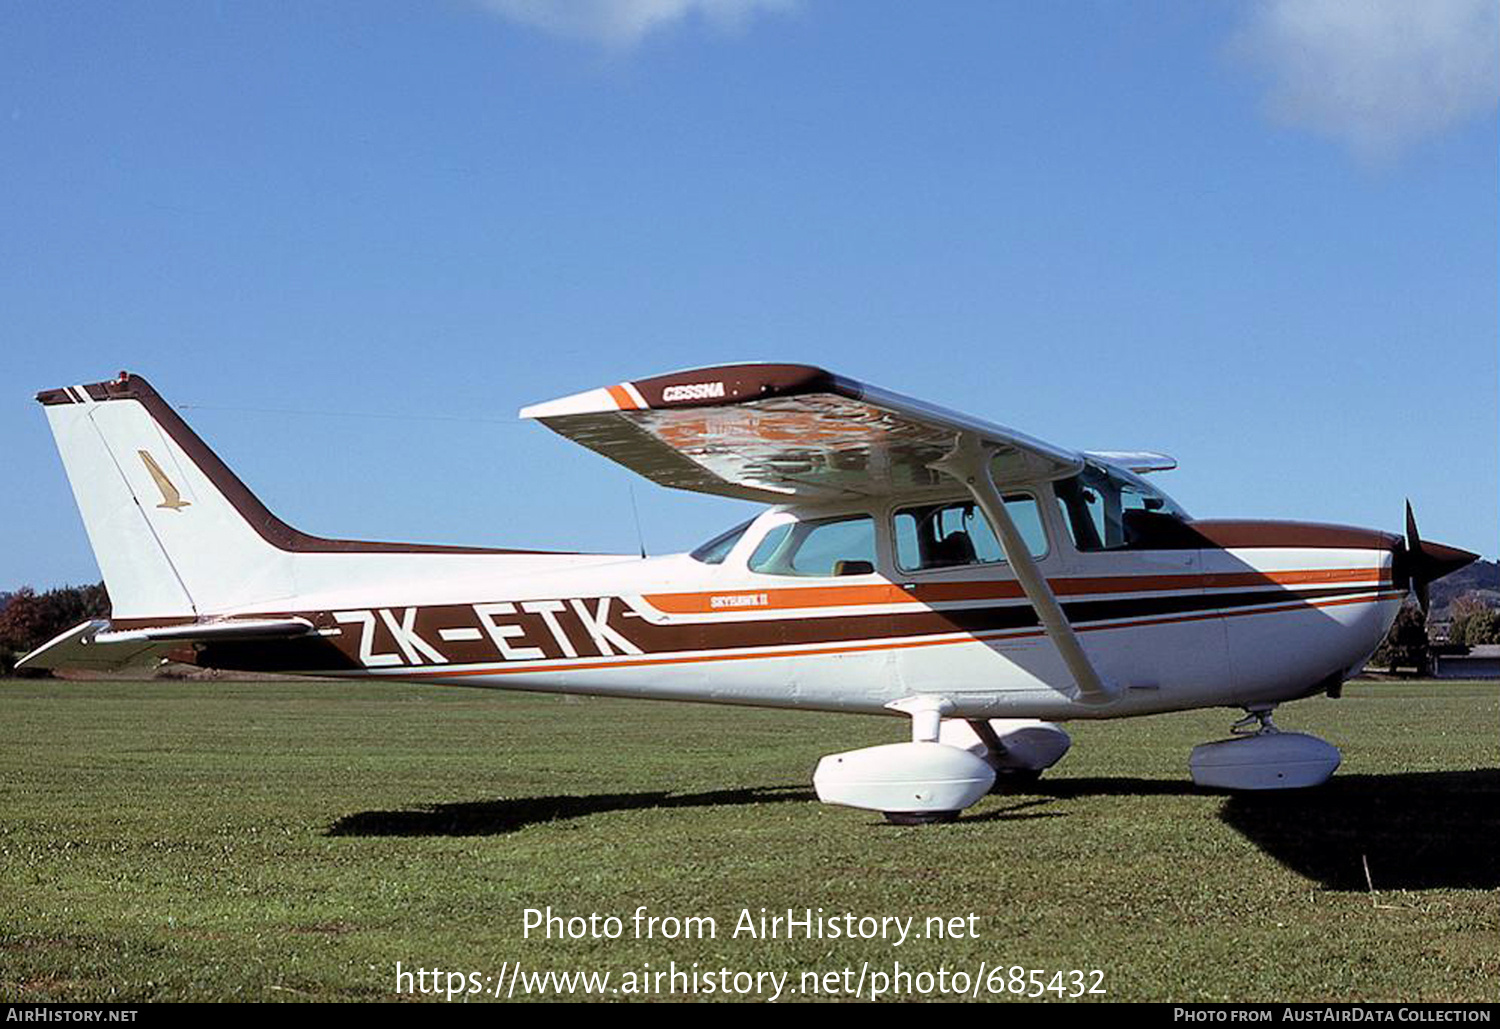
1107 509
828 547
956 534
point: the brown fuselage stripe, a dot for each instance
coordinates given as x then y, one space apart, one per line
341 651
803 598
892 645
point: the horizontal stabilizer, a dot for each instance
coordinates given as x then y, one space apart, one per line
96 646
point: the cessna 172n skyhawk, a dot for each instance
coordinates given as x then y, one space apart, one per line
983 583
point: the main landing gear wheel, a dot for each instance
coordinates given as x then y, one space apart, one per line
1260 756
916 783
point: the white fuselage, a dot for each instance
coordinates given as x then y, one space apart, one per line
1170 629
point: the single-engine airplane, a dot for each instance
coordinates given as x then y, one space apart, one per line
916 560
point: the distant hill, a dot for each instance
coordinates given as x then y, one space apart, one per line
1482 577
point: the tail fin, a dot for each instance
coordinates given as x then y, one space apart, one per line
175 532
178 535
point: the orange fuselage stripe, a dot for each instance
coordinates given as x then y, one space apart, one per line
734 601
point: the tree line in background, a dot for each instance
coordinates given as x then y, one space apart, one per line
1472 622
30 619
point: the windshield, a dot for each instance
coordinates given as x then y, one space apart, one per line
1107 508
717 549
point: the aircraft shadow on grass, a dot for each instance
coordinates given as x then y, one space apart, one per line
1415 830
494 817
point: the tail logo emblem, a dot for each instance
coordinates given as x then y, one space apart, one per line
170 498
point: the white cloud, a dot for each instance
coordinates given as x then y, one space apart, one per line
624 23
1376 74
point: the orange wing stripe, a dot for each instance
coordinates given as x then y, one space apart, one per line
622 398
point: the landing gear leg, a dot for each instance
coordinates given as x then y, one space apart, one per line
1018 749
1007 776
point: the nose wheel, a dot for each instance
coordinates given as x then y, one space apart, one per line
1259 756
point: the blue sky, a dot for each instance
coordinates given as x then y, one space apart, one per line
351 239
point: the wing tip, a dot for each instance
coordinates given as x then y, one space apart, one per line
1141 462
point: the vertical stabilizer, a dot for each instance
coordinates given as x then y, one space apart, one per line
169 541
179 536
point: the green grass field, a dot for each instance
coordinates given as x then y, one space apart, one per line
286 841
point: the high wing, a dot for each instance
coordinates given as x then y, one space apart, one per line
781 432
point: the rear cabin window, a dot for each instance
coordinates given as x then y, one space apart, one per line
829 547
957 534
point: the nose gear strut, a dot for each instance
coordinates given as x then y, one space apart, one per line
1257 720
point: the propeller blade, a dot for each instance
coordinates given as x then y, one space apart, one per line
1419 578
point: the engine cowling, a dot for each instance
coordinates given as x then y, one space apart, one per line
921 780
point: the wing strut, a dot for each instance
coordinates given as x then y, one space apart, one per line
969 462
